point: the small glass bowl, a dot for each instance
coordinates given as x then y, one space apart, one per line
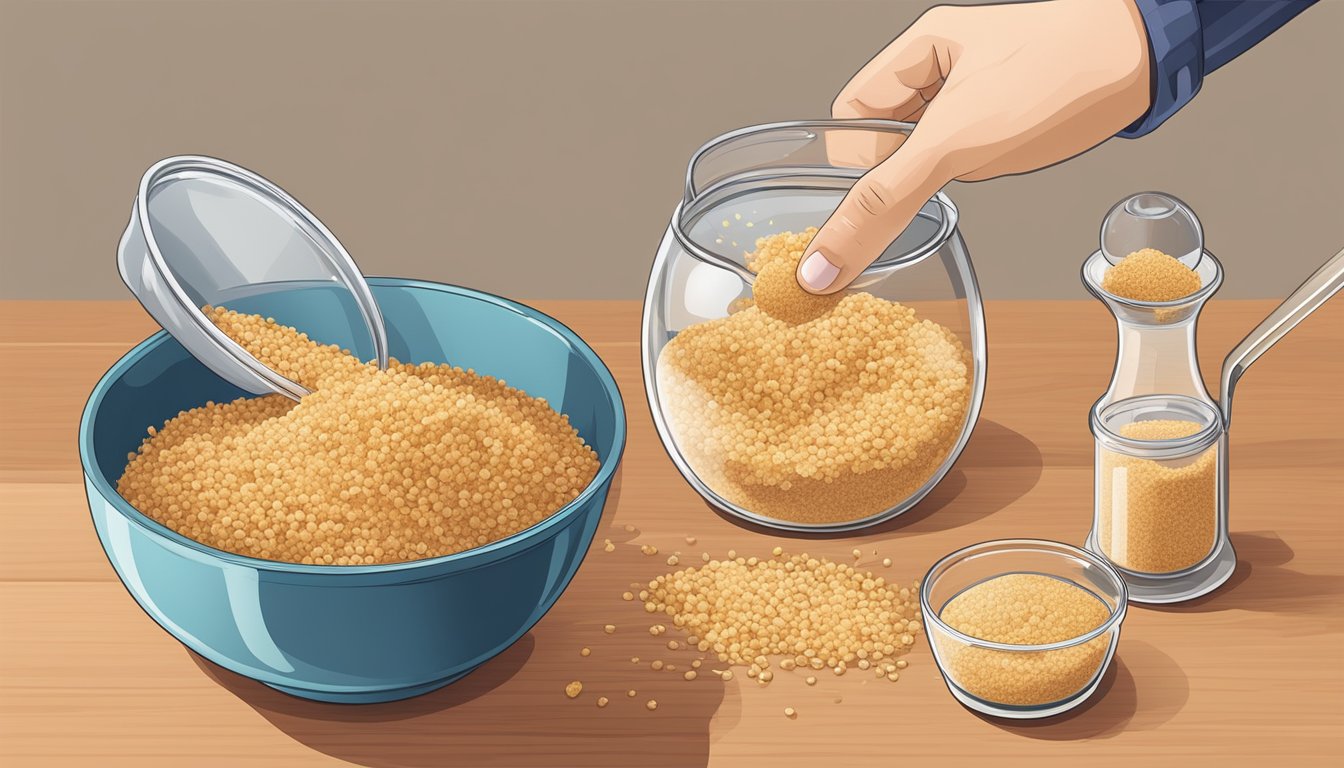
1022 681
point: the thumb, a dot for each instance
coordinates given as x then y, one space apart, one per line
876 210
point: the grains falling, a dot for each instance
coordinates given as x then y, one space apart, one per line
574 689
833 419
372 467
1157 516
810 612
1150 275
1024 609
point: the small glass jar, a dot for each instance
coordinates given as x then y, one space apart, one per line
1161 502
810 458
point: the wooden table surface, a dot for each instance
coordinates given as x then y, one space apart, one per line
1251 674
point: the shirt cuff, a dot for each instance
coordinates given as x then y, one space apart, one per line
1176 60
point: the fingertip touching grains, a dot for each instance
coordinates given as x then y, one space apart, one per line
371 467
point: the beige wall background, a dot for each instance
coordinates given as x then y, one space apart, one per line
536 149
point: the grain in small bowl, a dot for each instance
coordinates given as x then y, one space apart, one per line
1022 628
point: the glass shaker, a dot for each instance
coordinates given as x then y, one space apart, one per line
763 420
1160 512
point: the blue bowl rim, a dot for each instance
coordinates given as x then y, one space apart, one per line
495 548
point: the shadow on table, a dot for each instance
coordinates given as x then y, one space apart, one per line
1004 464
1120 704
1263 583
525 720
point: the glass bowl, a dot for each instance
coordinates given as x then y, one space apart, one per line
355 633
787 177
1022 681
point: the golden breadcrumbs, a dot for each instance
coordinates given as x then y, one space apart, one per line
1150 275
1024 609
833 419
812 612
1157 516
372 467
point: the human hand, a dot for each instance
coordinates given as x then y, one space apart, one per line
994 90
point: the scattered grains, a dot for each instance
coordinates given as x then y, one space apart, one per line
790 713
811 680
1150 275
1024 609
627 596
690 674
608 546
651 705
690 540
602 701
634 659
609 629
649 549
673 560
630 693
574 689
673 645
1157 516
806 611
695 664
857 554
657 665
886 562
830 420
585 651
372 467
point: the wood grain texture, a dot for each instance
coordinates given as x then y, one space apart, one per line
1251 674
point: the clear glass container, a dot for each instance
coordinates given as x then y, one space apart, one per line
800 425
1017 680
1156 377
1160 505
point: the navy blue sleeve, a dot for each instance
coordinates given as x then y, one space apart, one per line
1188 39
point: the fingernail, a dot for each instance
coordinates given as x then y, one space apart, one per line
817 272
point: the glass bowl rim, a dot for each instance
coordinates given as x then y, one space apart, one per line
606 469
1043 546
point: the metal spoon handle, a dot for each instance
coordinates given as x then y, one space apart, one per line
1308 297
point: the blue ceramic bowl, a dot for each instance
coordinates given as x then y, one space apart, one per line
355 633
